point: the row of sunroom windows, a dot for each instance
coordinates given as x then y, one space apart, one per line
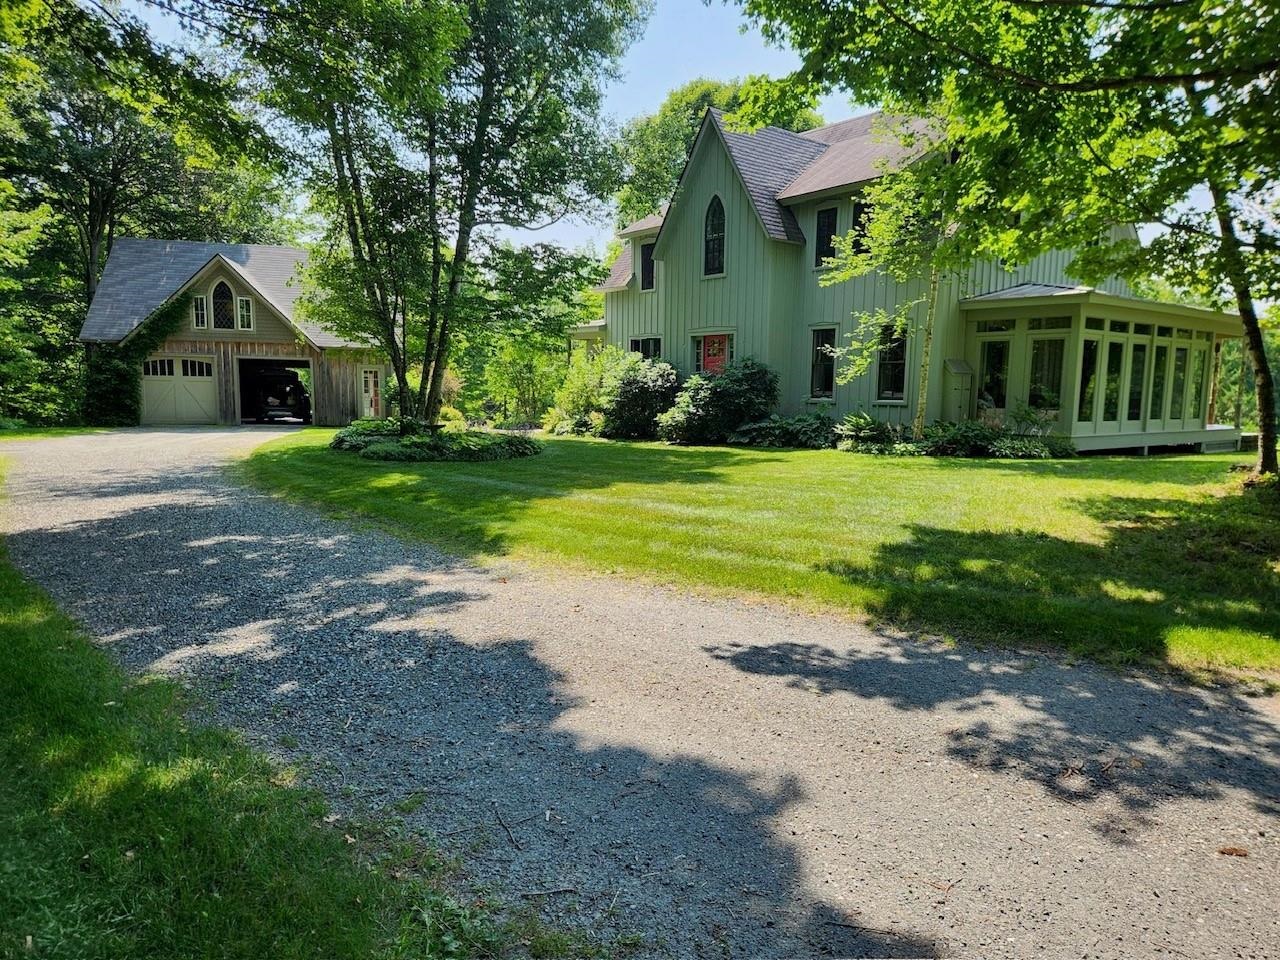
1128 371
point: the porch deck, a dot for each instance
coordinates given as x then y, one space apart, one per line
1215 437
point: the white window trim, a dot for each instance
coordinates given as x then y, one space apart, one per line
201 314
648 336
835 339
242 302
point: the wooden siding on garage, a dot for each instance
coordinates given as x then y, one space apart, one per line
335 387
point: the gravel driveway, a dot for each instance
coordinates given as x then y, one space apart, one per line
727 779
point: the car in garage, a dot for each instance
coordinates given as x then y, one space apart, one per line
273 394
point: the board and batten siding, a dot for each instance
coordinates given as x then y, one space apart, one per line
771 299
684 304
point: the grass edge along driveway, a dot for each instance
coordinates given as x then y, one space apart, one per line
1153 561
130 831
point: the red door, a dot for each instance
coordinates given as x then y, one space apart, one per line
715 352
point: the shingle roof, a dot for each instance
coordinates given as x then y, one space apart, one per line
768 160
141 275
619 273
650 224
1020 290
858 150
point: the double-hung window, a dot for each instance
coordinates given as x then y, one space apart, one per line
199 313
825 236
648 347
891 365
822 364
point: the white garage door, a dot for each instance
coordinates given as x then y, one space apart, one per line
179 390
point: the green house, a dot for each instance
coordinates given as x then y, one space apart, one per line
731 268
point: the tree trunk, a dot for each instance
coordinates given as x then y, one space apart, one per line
1263 382
1212 416
926 348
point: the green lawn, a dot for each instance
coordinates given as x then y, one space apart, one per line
40 433
1128 560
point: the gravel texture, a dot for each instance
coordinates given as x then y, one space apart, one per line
726 779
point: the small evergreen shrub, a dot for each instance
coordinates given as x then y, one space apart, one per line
471 445
712 406
810 431
633 393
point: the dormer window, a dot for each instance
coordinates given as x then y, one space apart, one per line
646 266
713 239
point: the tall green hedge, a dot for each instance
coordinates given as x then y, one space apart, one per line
113 371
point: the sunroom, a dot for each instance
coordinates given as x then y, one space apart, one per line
1109 371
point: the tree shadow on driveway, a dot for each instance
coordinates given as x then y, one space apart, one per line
1078 733
342 652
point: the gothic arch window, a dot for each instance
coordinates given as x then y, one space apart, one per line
224 307
713 239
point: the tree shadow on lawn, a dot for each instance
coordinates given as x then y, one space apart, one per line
334 650
1181 469
478 498
1175 582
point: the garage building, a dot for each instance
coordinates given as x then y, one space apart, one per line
240 346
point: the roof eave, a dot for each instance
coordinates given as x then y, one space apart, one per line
790 199
1225 324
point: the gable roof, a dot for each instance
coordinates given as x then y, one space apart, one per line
768 160
778 167
858 150
650 224
142 275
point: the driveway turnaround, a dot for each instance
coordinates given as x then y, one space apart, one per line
725 779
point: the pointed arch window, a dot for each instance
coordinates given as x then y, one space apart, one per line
224 307
713 239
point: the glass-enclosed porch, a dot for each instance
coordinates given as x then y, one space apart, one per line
1111 372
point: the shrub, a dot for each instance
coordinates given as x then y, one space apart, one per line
471 445
968 438
810 431
582 392
710 407
861 433
360 433
633 394
11 423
